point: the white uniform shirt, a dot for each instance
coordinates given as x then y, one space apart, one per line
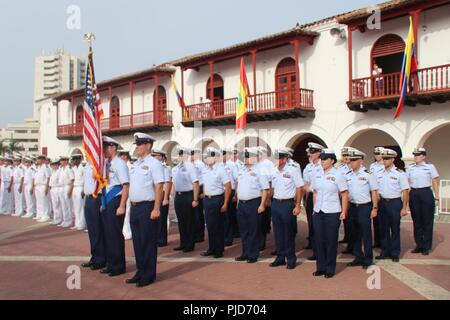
214 180
41 176
328 187
421 175
90 183
200 166
118 173
184 175
29 175
18 173
54 179
392 183
79 175
7 174
360 185
65 175
311 170
144 174
251 183
286 181
232 170
266 168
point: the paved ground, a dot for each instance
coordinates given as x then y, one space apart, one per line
34 259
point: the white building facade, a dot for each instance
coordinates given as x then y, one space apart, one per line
310 85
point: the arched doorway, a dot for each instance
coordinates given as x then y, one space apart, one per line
437 150
161 104
114 117
218 94
387 54
367 140
79 119
286 84
300 144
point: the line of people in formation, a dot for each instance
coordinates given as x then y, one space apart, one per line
234 199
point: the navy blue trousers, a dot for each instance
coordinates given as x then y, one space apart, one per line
359 216
162 227
326 232
145 236
115 242
249 227
200 219
390 227
284 229
186 219
230 216
265 220
377 229
309 213
421 203
95 230
215 222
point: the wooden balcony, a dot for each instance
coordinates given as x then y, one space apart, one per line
127 124
382 92
264 107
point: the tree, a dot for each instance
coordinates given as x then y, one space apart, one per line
14 146
3 147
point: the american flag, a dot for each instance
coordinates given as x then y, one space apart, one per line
92 133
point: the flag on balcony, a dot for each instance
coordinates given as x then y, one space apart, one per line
92 133
241 109
179 97
409 66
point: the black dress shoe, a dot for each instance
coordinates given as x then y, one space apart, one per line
95 267
425 252
262 248
252 260
274 253
347 251
228 244
291 266
105 270
240 258
217 256
135 279
395 259
382 257
416 250
277 263
115 273
318 273
206 253
188 250
376 246
178 249
366 266
308 247
329 275
145 283
343 241
312 258
354 263
87 264
162 245
199 240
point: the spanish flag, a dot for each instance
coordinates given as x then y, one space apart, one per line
409 66
241 109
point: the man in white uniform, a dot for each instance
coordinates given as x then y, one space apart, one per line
77 195
41 189
6 187
66 179
55 191
18 174
30 170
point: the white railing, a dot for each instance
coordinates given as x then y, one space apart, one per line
444 197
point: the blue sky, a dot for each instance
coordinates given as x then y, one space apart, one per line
135 34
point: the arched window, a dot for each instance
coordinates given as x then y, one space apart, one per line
218 94
114 117
386 64
160 106
286 84
79 119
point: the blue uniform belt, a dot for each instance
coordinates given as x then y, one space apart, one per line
184 192
360 204
245 201
283 200
213 197
111 194
387 200
424 188
134 204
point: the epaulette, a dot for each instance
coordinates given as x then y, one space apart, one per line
349 172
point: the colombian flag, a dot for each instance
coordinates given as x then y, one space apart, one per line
179 97
409 66
241 109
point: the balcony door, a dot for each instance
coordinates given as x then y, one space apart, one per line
286 84
387 54
114 117
161 104
217 105
79 119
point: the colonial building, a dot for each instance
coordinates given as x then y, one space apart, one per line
315 82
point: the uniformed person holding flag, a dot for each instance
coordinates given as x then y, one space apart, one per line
146 195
